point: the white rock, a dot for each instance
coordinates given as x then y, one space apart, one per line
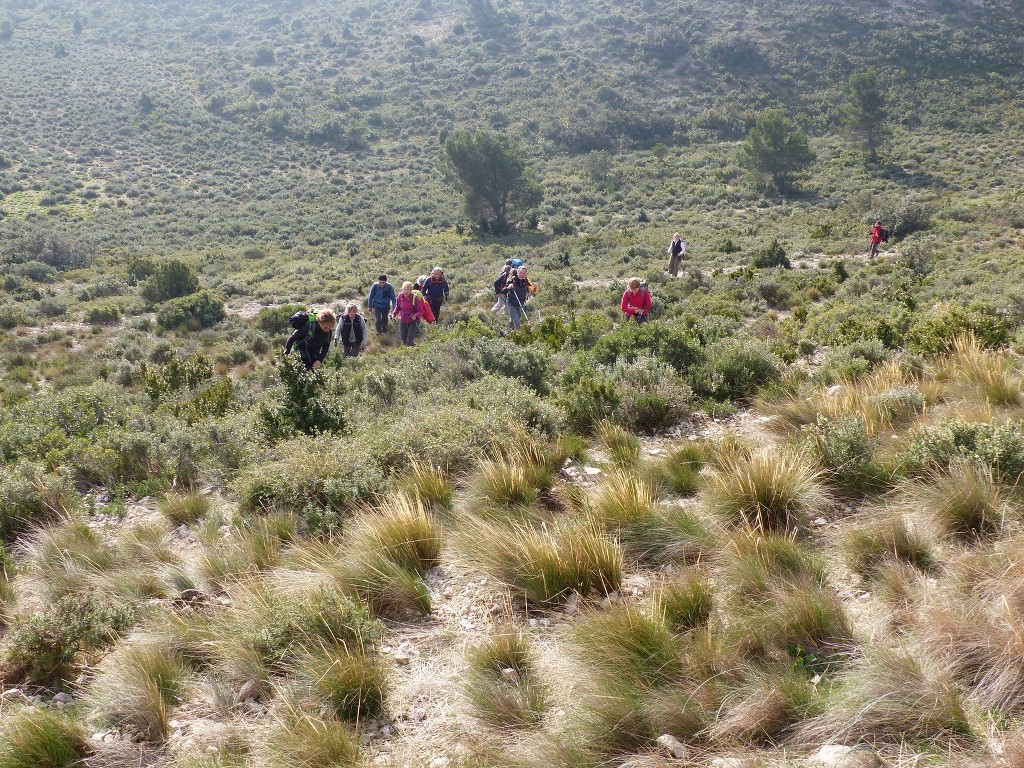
592 471
673 746
249 691
97 737
729 762
63 698
835 389
418 714
572 605
439 762
831 753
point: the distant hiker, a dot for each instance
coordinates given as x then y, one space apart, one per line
435 291
408 310
351 332
499 285
676 252
877 236
518 290
312 337
381 302
636 301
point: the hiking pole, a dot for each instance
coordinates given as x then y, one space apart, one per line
519 305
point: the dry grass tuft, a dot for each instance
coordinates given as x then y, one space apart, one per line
684 603
302 740
186 508
769 491
348 682
887 537
429 484
39 738
990 372
966 501
501 683
623 445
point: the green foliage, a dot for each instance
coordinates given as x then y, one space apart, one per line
671 343
492 175
937 331
31 496
202 309
775 151
103 314
735 369
685 603
990 444
842 446
177 374
772 256
45 649
40 738
352 684
502 682
306 406
169 280
865 115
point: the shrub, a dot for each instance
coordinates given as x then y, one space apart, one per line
671 343
842 447
999 446
31 496
202 309
906 216
768 491
40 738
274 320
305 740
12 315
938 330
353 685
852 361
735 369
588 401
44 650
771 256
136 686
103 314
501 683
185 509
169 280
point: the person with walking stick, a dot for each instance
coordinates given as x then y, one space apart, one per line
518 290
676 253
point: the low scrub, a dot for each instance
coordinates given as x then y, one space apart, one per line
187 508
992 444
965 502
349 683
40 738
502 685
31 496
301 740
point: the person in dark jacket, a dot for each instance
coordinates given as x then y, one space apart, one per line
435 291
381 302
518 290
313 340
351 332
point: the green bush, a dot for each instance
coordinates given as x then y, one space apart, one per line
12 315
274 320
772 256
735 369
45 649
935 332
103 314
529 364
843 447
169 280
852 361
305 408
669 342
197 310
991 444
842 321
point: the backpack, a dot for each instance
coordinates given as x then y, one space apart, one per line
499 284
300 319
885 235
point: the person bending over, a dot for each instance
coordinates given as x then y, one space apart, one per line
313 340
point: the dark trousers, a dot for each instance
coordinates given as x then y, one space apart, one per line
435 307
640 319
408 332
351 348
381 318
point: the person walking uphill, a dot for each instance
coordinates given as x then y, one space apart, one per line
313 339
676 252
877 236
435 291
352 333
408 310
381 302
636 301
518 290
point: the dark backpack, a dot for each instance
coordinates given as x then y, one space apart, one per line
302 318
885 235
499 284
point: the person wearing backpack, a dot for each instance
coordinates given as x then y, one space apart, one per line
311 337
435 291
636 301
518 290
676 253
351 332
877 236
499 285
408 310
381 302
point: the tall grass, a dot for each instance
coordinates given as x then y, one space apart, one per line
400 530
185 508
680 471
965 501
501 683
622 445
137 686
547 565
753 564
429 484
770 491
39 738
990 372
351 684
627 646
302 740
255 546
886 537
684 603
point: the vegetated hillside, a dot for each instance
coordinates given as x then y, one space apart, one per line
783 514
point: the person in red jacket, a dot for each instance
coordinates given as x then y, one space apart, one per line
636 301
877 235
408 310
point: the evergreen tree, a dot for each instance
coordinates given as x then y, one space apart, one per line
775 151
864 113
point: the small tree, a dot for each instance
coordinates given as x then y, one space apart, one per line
775 151
490 171
169 281
146 103
864 116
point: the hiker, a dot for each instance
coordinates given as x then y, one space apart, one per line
518 289
499 285
381 302
312 338
877 236
676 251
352 332
408 310
636 301
428 313
435 291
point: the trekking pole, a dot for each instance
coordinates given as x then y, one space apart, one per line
519 305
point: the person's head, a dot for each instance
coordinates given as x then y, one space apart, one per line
634 284
878 223
436 273
674 237
421 280
406 287
521 272
508 262
383 279
327 320
351 309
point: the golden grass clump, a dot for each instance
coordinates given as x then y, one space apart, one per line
303 740
685 602
621 444
255 546
887 536
347 681
40 738
990 372
429 484
966 501
501 684
770 491
185 508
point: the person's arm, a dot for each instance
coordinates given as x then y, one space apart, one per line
625 303
373 291
297 335
366 336
393 298
394 312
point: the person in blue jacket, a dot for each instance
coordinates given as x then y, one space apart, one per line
382 302
435 291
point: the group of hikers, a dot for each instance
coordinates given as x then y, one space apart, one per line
422 301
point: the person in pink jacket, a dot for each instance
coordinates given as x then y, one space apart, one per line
408 310
636 301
